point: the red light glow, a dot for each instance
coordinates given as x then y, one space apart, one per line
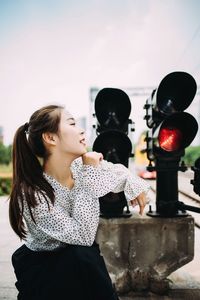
170 139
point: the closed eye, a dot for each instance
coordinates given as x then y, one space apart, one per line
71 120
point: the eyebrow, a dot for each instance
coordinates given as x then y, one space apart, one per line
71 119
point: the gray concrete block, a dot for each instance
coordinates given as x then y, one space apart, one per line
140 252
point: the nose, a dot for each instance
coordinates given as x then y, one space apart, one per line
82 132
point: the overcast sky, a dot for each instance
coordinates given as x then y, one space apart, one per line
55 51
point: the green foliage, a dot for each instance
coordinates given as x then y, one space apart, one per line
5 154
191 154
5 186
5 170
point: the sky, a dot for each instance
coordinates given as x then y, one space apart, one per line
55 51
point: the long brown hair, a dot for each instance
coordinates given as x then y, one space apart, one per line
28 177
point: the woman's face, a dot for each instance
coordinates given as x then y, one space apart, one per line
70 138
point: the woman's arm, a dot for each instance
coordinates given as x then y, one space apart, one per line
78 228
100 177
109 177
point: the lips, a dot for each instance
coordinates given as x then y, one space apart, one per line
83 142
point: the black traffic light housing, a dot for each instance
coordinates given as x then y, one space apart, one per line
196 180
112 111
171 131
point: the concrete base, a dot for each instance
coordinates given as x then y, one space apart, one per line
140 252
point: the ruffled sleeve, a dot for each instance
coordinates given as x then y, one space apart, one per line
109 177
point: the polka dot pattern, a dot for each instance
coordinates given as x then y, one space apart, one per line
74 217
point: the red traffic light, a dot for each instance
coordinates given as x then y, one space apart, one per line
170 139
176 132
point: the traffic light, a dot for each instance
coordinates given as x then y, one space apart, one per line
112 111
196 180
171 131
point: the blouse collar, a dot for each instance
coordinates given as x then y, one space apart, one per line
56 184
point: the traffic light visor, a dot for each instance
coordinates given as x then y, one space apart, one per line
114 145
175 92
112 107
177 132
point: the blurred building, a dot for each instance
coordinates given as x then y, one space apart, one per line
1 134
82 122
92 120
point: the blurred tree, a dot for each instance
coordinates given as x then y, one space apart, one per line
191 154
5 154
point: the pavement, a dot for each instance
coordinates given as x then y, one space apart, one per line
185 281
8 243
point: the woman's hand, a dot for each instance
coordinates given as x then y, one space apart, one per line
92 158
141 200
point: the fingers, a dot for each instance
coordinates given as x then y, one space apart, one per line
141 200
92 158
141 209
100 156
134 202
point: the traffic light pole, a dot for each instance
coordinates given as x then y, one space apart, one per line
167 202
167 189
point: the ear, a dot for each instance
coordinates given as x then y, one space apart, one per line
49 138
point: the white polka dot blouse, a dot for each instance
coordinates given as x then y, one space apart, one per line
74 217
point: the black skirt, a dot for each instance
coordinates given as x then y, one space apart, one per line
71 273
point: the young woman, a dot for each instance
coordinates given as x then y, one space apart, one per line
54 208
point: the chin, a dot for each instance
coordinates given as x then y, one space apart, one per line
85 151
81 153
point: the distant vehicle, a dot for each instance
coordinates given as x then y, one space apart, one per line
141 160
147 175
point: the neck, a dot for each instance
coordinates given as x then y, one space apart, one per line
59 168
